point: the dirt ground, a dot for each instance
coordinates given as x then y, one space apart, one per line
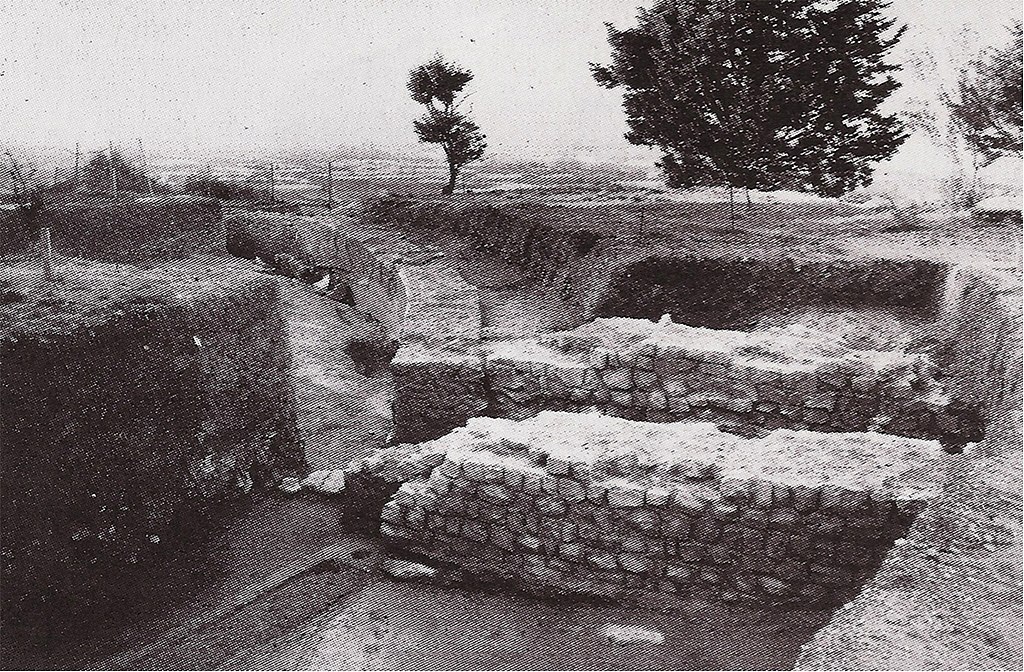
248 614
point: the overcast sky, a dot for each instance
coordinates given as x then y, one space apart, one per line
322 72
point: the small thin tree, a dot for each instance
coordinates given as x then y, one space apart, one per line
437 84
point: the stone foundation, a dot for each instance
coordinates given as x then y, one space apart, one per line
589 504
793 377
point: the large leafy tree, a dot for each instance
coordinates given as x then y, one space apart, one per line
986 105
759 94
437 85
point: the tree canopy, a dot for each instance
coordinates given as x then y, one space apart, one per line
986 105
767 94
437 84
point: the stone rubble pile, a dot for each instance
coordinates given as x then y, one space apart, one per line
588 504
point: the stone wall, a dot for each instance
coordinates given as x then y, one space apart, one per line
412 290
588 504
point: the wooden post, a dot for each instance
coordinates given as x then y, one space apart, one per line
272 182
330 187
46 252
145 168
78 155
113 170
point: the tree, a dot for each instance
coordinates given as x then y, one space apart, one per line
986 105
96 174
436 85
759 94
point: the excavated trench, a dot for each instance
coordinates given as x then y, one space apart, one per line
827 391
717 438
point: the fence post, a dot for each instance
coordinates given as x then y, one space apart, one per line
46 252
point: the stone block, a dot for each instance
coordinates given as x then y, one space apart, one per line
725 511
392 513
675 525
775 587
657 496
621 398
644 362
551 506
690 551
408 494
635 563
680 573
439 483
480 471
514 478
530 544
618 379
597 493
495 493
707 529
416 517
687 502
533 481
396 533
504 539
657 400
625 495
601 560
574 552
736 405
474 531
805 498
633 543
643 380
782 518
642 519
571 490
450 468
841 500
761 496
825 401
558 466
598 358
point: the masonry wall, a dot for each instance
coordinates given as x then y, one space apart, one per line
564 525
665 380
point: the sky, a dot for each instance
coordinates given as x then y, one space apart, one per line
287 74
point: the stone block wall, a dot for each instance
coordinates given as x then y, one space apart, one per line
792 377
585 504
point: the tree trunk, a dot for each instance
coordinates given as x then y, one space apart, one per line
749 204
449 189
732 207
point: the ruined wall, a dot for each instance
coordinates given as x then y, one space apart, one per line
121 424
585 504
414 291
793 377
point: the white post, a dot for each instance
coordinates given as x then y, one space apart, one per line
46 252
113 170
